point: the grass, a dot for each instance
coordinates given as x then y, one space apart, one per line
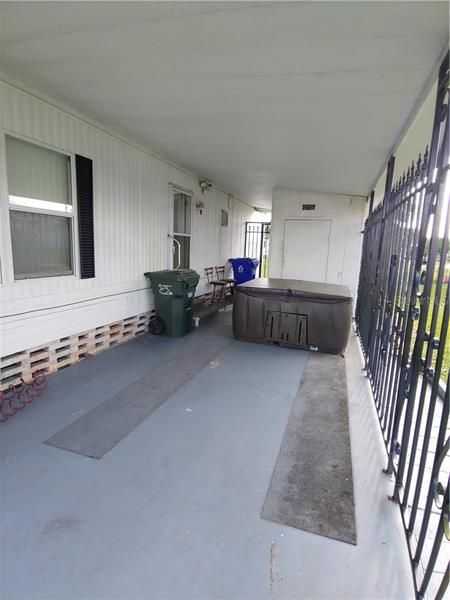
440 303
265 266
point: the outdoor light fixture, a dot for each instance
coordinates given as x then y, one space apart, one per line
204 185
200 206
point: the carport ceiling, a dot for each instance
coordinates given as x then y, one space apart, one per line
303 95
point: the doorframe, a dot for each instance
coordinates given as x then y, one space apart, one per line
307 220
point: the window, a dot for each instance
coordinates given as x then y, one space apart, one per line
182 230
40 210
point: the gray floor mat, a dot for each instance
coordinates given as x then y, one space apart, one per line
312 484
97 432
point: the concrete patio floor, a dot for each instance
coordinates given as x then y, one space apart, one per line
173 511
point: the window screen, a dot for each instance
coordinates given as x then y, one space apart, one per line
41 244
182 213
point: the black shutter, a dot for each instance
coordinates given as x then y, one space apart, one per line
85 200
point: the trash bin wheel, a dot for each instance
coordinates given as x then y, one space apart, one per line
156 326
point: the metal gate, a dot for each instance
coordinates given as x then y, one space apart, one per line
402 317
257 240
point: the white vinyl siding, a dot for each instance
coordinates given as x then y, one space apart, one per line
133 215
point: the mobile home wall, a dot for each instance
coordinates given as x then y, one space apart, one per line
132 216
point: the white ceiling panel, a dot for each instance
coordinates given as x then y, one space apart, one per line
253 95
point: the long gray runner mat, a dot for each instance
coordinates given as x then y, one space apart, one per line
312 483
97 432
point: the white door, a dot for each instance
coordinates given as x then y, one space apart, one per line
305 249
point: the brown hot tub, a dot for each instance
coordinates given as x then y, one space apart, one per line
304 314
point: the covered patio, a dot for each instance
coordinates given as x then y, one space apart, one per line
148 152
173 511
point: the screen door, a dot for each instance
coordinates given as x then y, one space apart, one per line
182 230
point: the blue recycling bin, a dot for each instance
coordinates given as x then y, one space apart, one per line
244 269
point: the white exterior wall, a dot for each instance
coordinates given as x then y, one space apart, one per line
413 143
346 214
132 217
417 137
379 191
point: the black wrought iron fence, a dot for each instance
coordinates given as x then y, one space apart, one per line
402 317
257 239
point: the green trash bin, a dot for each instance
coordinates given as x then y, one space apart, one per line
174 297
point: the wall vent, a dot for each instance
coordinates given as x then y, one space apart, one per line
308 207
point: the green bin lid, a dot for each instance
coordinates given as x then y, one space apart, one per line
173 274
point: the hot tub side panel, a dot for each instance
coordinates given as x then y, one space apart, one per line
262 317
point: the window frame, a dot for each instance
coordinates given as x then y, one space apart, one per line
7 275
177 190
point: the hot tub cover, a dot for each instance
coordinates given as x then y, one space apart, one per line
291 312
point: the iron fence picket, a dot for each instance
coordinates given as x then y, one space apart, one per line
433 487
401 308
436 547
433 216
398 215
428 427
391 337
256 244
407 194
432 341
405 312
403 331
409 365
